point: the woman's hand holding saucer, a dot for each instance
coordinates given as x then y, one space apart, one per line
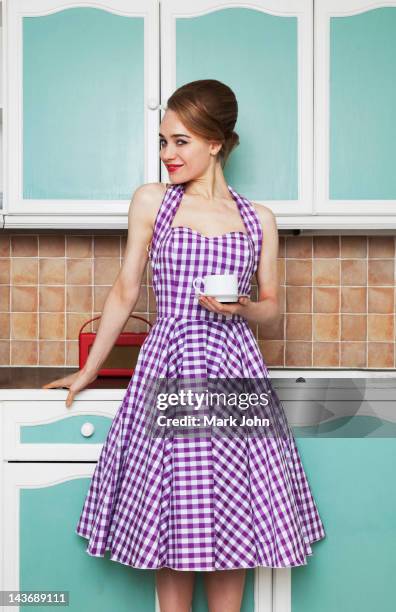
240 307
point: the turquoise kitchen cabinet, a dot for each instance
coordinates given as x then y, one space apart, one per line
355 101
263 51
48 455
354 567
345 431
81 135
86 85
43 505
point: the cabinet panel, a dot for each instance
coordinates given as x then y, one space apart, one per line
83 105
355 93
43 505
263 51
49 431
80 134
354 567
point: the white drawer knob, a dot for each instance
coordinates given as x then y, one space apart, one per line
87 429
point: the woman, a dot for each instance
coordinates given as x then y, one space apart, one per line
176 504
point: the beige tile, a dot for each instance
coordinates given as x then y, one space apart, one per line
4 352
24 245
298 354
152 306
5 271
353 271
100 294
51 245
107 246
52 271
282 246
152 317
78 298
79 271
299 247
381 272
142 301
299 271
298 327
326 299
51 352
4 298
353 327
4 245
24 298
24 352
353 299
298 299
74 322
123 244
72 353
381 355
281 269
24 325
381 246
326 354
381 299
353 246
326 272
326 246
4 325
326 327
136 325
353 354
79 246
24 271
52 326
380 327
269 331
106 270
51 299
272 352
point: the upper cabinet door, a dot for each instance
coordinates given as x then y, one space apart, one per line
82 80
355 102
263 51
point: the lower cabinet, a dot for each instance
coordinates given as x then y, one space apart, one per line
49 454
44 554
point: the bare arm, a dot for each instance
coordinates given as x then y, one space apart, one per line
124 293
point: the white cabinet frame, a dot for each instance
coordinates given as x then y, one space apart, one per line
365 210
69 213
171 10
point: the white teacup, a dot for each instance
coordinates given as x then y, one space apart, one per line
223 287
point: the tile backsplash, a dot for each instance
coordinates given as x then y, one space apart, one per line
337 295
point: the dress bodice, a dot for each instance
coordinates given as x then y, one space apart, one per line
180 254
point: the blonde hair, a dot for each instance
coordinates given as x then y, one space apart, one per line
209 109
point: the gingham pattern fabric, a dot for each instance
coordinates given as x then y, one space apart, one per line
208 503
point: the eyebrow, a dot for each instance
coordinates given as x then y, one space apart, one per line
175 135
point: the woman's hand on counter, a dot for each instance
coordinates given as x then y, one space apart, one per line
74 382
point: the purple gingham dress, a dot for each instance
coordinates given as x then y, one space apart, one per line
198 504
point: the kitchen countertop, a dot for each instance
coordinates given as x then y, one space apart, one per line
15 377
19 383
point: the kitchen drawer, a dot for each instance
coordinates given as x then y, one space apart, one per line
48 431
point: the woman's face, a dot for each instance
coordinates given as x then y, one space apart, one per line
185 155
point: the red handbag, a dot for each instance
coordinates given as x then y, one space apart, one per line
125 350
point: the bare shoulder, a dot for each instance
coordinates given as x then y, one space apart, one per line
149 194
266 216
146 201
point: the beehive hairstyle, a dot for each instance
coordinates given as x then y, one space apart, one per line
209 109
